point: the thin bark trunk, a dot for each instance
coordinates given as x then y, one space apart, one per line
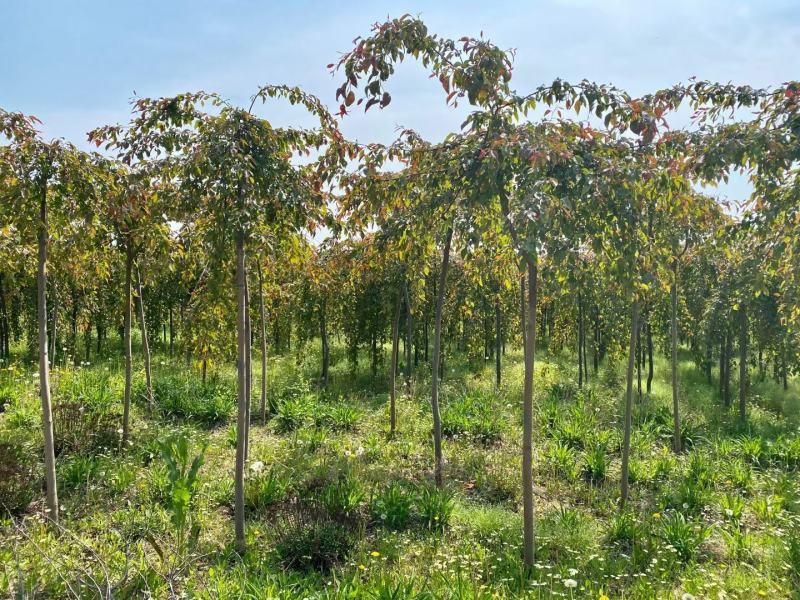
44 366
326 356
87 340
784 367
263 318
393 366
126 342
522 318
171 333
673 325
145 344
722 369
580 342
248 363
742 362
727 382
596 341
650 366
626 444
583 337
529 548
436 362
54 332
241 424
3 321
639 362
409 333
498 340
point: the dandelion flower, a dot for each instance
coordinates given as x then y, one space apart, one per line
570 583
375 554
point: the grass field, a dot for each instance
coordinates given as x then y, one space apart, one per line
337 509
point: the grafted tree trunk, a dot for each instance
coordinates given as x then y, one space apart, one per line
498 340
145 344
393 365
626 443
44 365
126 341
742 361
241 417
673 325
263 319
436 360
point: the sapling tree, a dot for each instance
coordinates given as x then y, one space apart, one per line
41 179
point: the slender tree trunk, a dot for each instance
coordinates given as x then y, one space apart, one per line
87 340
393 366
3 321
436 362
205 370
529 548
145 344
248 364
722 368
626 444
44 366
522 318
126 341
326 356
171 333
580 342
263 319
241 365
409 333
498 340
74 326
650 367
709 358
728 352
784 366
742 362
673 326
596 344
639 362
583 338
426 341
54 332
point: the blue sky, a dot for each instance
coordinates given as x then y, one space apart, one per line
76 64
